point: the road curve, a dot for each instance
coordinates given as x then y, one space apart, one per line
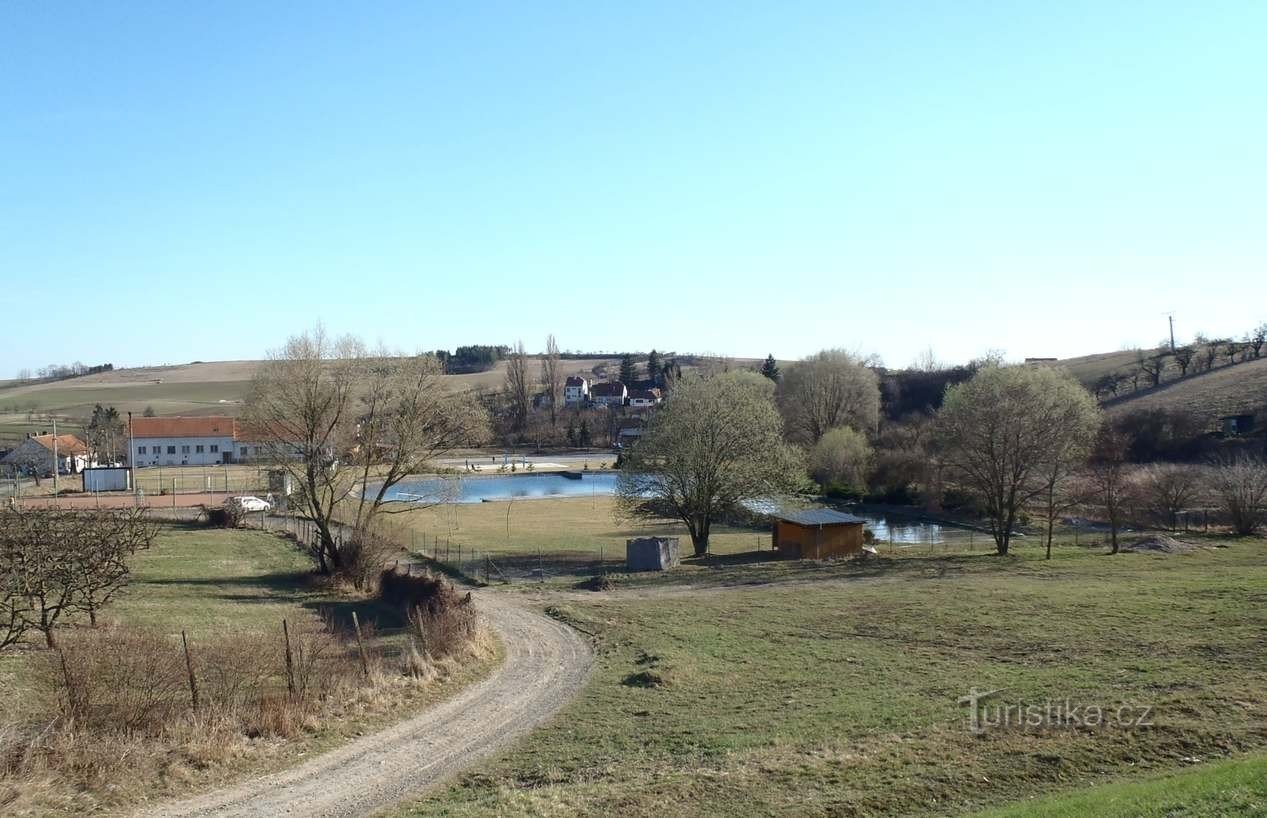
546 664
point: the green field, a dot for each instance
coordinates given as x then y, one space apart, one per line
573 525
1218 790
837 694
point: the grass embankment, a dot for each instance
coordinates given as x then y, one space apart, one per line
212 584
842 697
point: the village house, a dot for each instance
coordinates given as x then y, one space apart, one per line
576 391
189 441
608 393
644 398
36 455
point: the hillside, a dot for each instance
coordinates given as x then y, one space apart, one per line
199 388
1228 390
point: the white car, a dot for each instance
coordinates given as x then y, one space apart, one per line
249 503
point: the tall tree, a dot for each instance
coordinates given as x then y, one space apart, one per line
628 370
653 367
1240 487
1001 431
715 444
518 386
348 425
106 433
552 377
828 390
770 368
1075 420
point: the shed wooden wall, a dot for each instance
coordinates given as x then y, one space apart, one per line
810 542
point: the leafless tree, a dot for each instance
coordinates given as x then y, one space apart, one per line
1108 480
1152 364
552 378
1184 356
1167 489
1240 485
1231 348
518 386
826 391
348 425
1256 338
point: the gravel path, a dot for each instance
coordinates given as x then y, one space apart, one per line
546 664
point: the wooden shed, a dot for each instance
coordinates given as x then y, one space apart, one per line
818 533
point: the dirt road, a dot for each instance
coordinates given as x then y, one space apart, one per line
546 664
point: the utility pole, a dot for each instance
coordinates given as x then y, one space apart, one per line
131 455
56 468
1171 316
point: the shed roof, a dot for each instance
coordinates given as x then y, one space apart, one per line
820 516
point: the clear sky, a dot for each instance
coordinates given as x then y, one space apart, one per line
186 181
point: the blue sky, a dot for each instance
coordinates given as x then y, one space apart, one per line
196 181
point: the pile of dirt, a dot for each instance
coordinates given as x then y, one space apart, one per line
596 583
1161 544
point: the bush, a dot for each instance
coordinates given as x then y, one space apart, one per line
445 619
226 516
841 460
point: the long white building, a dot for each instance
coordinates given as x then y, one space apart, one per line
189 441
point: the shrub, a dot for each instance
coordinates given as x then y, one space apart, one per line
445 619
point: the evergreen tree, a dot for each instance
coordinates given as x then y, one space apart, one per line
770 369
653 367
585 432
628 371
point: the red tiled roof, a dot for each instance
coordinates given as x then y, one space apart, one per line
210 426
66 444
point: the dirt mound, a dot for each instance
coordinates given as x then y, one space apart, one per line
1161 544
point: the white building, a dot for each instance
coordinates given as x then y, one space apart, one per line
644 398
183 441
576 390
35 455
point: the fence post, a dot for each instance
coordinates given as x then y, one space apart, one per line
290 661
360 646
189 668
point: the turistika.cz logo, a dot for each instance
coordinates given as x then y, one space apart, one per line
1050 714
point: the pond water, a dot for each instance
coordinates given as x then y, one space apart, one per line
502 487
477 489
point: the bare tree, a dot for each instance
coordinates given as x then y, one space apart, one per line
1256 338
826 391
1002 431
348 426
1240 484
714 444
552 378
1168 489
1152 364
518 386
1109 483
1184 356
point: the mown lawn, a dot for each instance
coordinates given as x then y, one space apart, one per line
841 696
577 525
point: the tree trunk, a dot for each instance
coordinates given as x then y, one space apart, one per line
699 541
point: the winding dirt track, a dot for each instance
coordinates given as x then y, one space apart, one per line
546 665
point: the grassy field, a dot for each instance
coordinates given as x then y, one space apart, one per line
1218 790
576 525
209 583
839 694
1228 390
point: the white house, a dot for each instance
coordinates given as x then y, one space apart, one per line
576 390
609 393
184 441
35 455
644 398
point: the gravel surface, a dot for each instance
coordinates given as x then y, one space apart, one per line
546 664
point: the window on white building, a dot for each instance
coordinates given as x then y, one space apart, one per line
171 450
140 450
198 449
